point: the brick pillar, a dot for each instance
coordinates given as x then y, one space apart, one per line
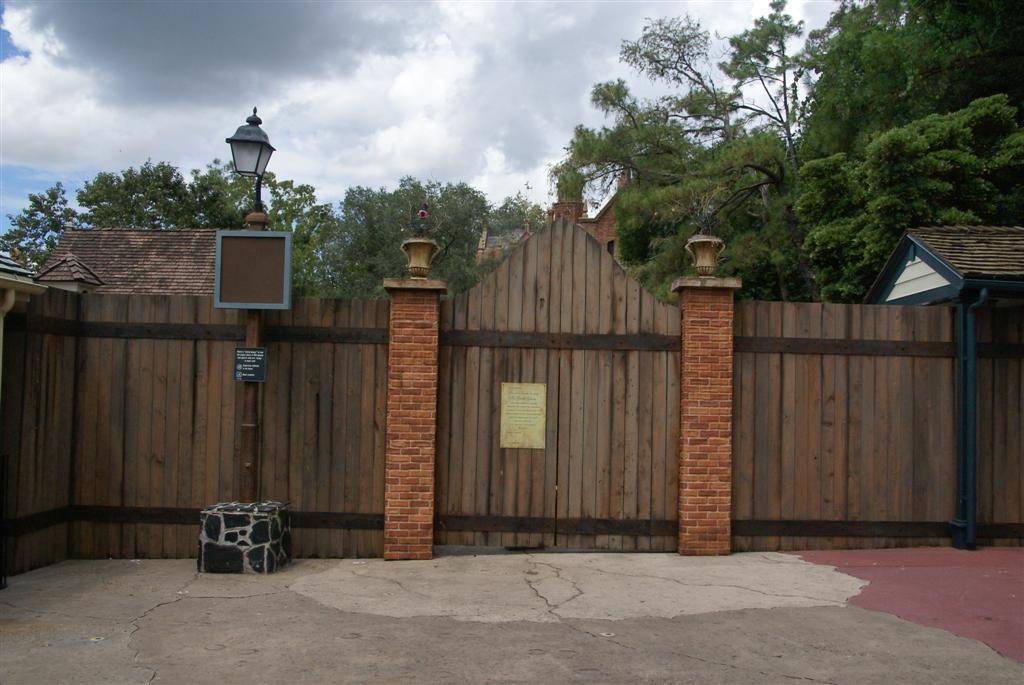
411 418
705 422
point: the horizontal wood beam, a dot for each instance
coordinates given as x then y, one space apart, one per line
324 334
511 339
193 331
540 524
175 516
868 529
870 348
649 342
1001 350
31 523
160 331
875 348
337 520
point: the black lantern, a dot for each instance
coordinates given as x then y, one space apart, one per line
250 151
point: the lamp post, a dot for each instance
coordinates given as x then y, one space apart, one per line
250 152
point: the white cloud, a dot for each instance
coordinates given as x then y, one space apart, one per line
349 93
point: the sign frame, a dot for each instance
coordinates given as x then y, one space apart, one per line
522 431
261 370
287 285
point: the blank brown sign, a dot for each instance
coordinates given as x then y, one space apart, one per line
253 270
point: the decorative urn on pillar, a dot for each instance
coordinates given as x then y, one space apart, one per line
705 249
419 250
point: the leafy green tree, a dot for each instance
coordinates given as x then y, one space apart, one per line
219 197
153 196
514 212
721 152
966 167
35 230
885 63
294 207
157 196
364 249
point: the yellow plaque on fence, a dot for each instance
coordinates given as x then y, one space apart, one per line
523 414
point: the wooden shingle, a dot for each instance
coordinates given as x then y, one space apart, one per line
995 252
125 261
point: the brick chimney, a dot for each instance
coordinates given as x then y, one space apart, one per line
573 210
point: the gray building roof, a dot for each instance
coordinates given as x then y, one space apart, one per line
170 262
68 268
9 266
977 251
934 264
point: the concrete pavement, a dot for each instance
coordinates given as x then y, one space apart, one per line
504 618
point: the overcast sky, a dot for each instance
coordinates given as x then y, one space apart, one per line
350 93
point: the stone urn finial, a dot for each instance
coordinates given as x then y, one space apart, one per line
705 249
420 250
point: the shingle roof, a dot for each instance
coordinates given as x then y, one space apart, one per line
172 262
505 240
68 268
9 266
977 251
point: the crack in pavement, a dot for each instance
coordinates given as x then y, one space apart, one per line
558 574
552 609
181 594
134 623
827 602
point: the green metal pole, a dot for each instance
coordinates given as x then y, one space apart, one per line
964 525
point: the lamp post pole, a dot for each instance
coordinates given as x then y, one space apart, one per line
249 447
250 152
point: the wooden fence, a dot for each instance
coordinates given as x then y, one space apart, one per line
844 425
120 420
560 311
37 420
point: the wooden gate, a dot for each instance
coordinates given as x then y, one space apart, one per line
560 311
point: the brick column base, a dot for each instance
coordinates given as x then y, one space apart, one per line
411 418
705 422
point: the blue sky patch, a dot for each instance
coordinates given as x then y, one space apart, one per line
16 182
7 48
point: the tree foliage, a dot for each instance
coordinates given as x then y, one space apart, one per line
883 64
809 157
515 212
966 167
720 152
343 251
35 230
372 223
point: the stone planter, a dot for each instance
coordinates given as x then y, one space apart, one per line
420 253
705 250
244 538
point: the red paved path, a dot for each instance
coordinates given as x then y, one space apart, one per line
978 594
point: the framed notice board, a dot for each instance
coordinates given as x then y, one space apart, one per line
250 364
523 415
253 270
